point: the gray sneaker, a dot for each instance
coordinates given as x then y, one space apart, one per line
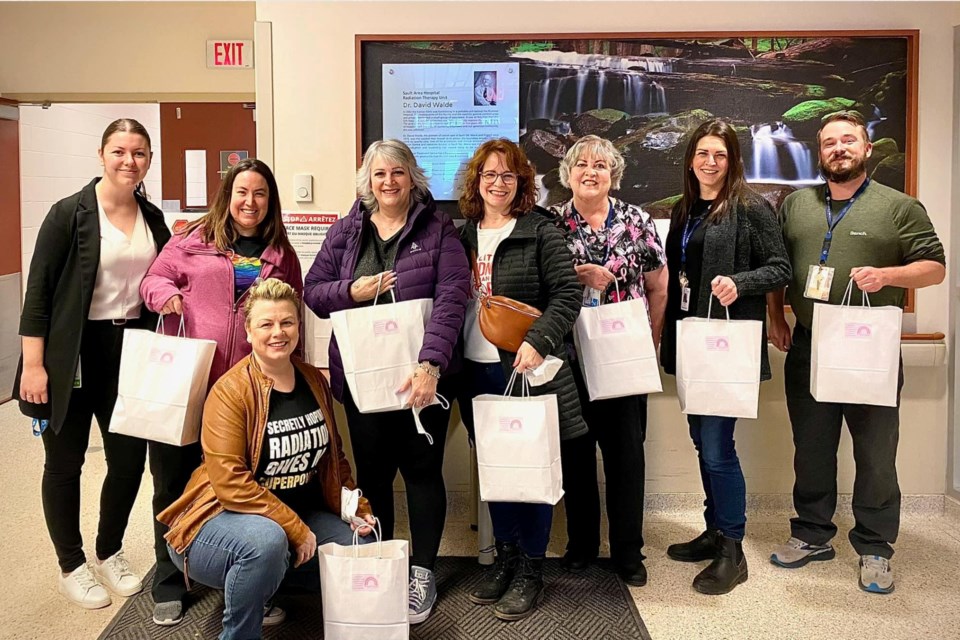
422 594
796 553
876 575
168 614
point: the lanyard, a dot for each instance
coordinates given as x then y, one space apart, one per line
833 222
688 232
611 216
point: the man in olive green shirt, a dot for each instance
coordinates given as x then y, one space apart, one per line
851 228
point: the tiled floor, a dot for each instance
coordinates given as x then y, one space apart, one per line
819 602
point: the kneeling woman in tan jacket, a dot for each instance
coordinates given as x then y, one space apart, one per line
268 490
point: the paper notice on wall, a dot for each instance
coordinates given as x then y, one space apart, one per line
445 111
306 232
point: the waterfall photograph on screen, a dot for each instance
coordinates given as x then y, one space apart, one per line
647 95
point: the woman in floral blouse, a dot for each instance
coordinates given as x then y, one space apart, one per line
611 240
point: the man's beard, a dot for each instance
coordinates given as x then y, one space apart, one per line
858 166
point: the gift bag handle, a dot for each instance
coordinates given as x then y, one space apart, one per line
181 332
710 308
524 386
376 530
379 282
848 296
616 286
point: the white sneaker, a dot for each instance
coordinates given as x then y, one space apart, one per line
272 614
81 588
115 574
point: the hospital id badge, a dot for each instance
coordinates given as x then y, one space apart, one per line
685 299
591 297
819 279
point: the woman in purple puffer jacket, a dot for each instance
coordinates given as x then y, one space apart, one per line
204 273
394 238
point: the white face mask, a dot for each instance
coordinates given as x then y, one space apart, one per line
349 501
546 372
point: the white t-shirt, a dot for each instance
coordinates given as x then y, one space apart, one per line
478 348
123 263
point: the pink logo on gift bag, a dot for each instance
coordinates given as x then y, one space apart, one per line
385 327
717 343
511 424
613 326
161 356
857 331
364 582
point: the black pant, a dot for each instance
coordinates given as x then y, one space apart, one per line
386 442
619 426
875 432
65 453
171 467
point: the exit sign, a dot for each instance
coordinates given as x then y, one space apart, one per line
230 54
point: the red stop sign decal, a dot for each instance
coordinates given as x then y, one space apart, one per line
233 158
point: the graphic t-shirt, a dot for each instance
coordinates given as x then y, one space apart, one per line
477 348
295 439
246 263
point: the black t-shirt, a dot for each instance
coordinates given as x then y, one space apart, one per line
376 256
694 264
246 263
295 439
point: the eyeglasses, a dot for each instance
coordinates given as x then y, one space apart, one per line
490 177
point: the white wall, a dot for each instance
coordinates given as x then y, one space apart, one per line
58 156
314 131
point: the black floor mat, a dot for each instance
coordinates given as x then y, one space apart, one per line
594 605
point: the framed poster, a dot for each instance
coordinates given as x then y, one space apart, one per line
647 92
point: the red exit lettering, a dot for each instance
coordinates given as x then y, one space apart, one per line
228 54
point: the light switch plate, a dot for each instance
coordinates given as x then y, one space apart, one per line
303 187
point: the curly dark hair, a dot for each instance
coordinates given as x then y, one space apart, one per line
471 204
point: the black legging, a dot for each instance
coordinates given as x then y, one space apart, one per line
171 468
386 442
65 453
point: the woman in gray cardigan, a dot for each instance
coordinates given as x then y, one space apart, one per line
724 241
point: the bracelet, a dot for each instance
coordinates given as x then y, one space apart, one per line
429 372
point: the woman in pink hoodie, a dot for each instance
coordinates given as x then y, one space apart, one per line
204 273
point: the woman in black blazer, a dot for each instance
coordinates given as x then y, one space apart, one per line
93 249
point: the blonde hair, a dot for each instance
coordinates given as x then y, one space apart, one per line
271 290
599 148
394 151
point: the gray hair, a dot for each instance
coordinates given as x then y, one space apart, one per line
398 152
596 146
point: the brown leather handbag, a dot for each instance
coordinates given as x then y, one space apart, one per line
503 321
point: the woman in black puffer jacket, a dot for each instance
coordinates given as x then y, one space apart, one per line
520 254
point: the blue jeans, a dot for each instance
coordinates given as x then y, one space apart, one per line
723 483
527 525
248 557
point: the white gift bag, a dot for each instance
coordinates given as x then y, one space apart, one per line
718 366
615 348
518 446
163 385
380 347
364 589
855 352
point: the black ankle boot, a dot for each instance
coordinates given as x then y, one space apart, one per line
703 547
728 569
497 578
525 591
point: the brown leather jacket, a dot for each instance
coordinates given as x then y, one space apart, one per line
234 421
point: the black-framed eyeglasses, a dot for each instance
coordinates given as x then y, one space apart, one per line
490 177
